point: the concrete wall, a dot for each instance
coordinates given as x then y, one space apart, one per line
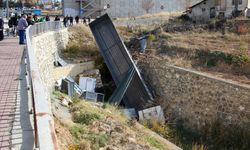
45 46
71 8
129 8
197 98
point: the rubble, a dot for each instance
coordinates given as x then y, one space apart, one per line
155 113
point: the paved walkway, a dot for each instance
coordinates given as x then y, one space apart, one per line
13 97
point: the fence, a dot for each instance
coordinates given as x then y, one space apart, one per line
45 138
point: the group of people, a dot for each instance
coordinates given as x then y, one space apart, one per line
68 20
18 24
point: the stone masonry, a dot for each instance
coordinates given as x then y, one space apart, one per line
45 46
197 98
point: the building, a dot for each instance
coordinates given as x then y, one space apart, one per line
204 10
123 8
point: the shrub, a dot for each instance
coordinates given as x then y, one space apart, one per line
77 131
212 58
98 140
151 37
85 117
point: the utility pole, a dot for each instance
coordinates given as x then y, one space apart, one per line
81 10
7 9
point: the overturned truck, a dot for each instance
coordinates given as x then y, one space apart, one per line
131 87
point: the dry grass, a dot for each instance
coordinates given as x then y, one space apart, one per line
161 14
64 138
213 41
81 44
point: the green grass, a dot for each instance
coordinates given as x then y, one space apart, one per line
98 140
77 131
212 58
155 143
85 117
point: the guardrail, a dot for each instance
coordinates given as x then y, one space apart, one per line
45 138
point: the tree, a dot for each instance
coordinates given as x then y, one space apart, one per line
147 5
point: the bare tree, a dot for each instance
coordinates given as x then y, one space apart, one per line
147 5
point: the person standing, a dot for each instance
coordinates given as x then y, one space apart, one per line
1 28
30 21
22 25
71 19
35 19
77 19
65 20
57 18
47 18
15 22
10 24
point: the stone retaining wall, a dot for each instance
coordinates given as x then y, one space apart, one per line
45 46
196 98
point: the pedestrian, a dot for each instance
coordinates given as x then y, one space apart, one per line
71 19
47 18
22 25
57 18
10 24
42 19
65 21
1 29
77 19
89 19
15 22
84 20
30 21
35 19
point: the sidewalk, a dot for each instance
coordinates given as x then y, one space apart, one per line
16 130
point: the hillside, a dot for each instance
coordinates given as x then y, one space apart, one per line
94 126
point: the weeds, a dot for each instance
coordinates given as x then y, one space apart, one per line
155 143
98 140
77 131
85 117
199 147
75 50
80 134
212 136
212 58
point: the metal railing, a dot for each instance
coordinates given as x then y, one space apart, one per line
43 27
44 134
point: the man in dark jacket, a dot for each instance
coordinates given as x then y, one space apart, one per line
71 19
77 19
57 18
47 18
15 23
1 28
30 21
